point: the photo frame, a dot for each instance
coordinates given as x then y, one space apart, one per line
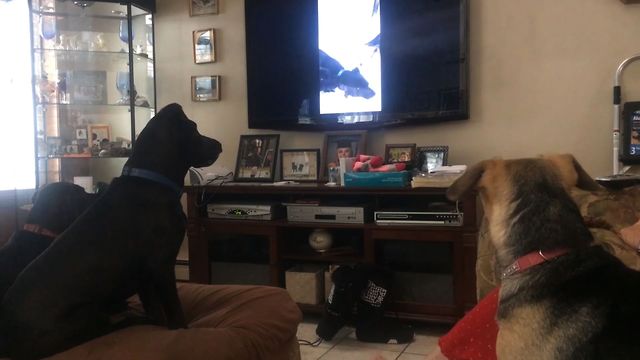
204 46
81 133
87 87
341 144
428 157
257 155
399 153
302 165
203 7
54 146
98 133
205 88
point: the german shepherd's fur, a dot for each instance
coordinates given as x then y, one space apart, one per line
581 305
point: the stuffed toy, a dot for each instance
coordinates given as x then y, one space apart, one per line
373 163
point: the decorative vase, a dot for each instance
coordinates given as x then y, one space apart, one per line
320 240
48 27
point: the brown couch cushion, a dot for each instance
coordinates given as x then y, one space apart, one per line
225 322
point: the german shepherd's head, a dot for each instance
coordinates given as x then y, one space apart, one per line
526 203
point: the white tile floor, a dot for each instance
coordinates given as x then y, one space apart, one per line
345 346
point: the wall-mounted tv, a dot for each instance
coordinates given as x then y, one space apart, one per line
356 64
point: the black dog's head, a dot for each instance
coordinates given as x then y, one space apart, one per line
170 144
57 205
354 84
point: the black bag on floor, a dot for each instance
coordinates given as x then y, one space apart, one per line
371 325
339 305
368 288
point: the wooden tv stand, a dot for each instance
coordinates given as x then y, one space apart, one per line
434 265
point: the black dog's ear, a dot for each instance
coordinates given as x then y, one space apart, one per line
171 110
466 182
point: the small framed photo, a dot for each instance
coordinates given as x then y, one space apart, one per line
429 157
99 133
72 149
81 133
338 144
204 46
203 7
54 146
205 88
87 87
399 153
257 158
300 165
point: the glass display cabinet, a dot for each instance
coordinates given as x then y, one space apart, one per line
94 86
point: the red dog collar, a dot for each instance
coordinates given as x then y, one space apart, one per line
37 229
532 259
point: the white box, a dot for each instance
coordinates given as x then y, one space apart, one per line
305 284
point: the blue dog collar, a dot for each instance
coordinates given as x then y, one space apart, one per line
153 176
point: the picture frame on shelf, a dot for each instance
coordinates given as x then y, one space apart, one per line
339 144
81 133
205 88
302 165
257 155
429 157
203 7
87 87
54 146
98 133
399 153
204 46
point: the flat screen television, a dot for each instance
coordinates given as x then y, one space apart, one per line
356 64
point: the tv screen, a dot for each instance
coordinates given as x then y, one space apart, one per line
355 64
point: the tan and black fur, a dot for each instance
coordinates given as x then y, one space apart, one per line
582 305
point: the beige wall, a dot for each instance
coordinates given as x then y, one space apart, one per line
541 78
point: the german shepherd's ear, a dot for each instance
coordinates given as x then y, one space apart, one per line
466 182
572 173
585 181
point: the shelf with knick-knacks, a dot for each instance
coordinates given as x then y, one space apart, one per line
94 85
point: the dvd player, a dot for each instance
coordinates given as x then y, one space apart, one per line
328 214
419 218
244 211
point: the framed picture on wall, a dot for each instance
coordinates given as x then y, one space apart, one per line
301 165
204 46
205 88
257 158
202 7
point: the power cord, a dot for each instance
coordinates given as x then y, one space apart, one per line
315 343
205 200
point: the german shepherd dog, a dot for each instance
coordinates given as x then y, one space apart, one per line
561 297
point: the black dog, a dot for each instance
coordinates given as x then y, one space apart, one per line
55 207
333 75
125 243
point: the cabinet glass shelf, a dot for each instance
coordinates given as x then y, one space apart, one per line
78 56
123 107
80 157
94 85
